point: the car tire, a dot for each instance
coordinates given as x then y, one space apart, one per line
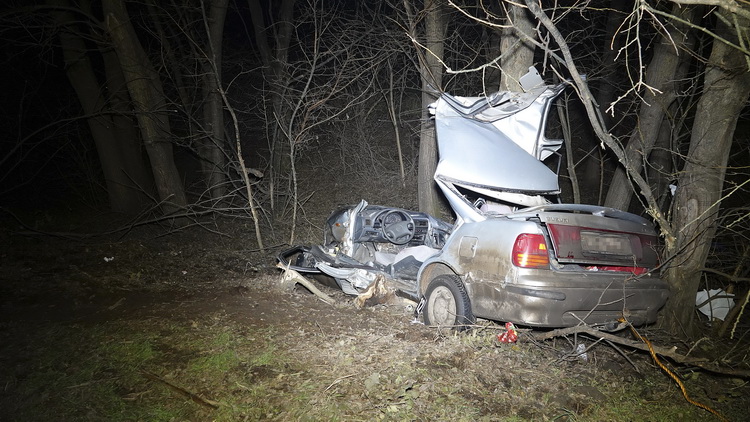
447 304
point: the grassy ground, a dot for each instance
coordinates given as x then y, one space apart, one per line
186 329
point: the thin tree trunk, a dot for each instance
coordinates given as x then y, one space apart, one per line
607 82
146 92
660 76
274 57
593 165
699 188
391 105
431 70
212 150
564 115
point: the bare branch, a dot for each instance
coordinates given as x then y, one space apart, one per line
729 5
670 353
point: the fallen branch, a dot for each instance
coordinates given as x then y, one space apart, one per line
675 377
194 397
670 353
291 277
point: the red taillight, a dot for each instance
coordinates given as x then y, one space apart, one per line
530 251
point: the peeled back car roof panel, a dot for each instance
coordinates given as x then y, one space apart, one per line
474 152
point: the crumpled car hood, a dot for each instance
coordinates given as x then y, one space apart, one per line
495 145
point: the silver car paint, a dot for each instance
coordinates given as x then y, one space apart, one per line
494 146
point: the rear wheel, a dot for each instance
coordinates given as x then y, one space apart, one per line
447 303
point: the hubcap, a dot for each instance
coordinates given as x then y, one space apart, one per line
442 307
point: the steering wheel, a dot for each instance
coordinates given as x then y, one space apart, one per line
398 227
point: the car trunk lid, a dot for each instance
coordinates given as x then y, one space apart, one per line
598 238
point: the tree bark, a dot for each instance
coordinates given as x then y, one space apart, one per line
212 150
699 188
147 94
516 47
661 76
431 70
118 161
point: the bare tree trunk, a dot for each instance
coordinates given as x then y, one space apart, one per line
607 86
125 127
118 160
517 48
212 150
431 70
659 77
593 164
146 92
393 114
699 189
564 114
272 40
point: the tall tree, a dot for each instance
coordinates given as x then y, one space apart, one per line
212 147
273 34
517 47
658 91
145 88
726 88
117 145
431 72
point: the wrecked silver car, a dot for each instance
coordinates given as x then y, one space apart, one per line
512 253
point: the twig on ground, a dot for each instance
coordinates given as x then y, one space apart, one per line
194 397
338 380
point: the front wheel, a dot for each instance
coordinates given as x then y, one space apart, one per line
447 303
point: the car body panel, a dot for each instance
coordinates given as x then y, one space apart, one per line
495 146
554 300
564 295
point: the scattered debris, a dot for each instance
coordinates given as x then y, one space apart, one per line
510 335
381 292
714 303
291 277
581 352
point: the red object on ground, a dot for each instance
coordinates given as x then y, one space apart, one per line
510 335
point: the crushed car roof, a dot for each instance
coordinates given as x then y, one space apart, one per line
495 145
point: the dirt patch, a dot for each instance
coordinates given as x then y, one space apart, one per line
203 314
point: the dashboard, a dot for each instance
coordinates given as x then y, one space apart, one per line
379 224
